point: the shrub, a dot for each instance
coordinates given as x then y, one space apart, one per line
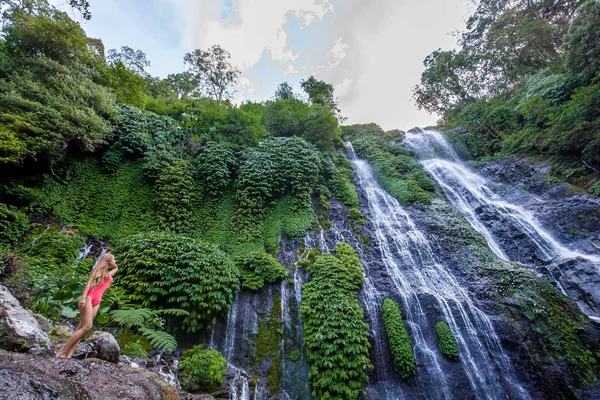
276 167
446 340
256 268
170 270
13 224
335 335
204 368
214 167
400 346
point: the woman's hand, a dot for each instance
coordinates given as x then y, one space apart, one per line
81 303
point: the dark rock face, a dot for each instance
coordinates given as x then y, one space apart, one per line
19 330
100 345
27 377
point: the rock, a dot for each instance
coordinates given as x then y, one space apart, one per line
43 322
100 345
28 377
19 330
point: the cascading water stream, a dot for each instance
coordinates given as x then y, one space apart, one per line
469 193
418 278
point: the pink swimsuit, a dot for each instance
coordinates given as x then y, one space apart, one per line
96 293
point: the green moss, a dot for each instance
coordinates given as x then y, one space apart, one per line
559 323
268 343
399 341
446 340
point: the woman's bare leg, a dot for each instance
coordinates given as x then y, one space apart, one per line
70 353
86 317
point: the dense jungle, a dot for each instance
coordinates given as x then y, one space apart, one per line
266 250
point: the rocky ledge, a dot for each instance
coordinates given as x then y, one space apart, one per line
29 377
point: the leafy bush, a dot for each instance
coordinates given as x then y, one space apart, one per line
256 268
446 340
212 120
400 346
99 204
214 166
276 167
174 189
335 336
204 368
13 224
166 270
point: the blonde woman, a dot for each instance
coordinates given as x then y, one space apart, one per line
99 280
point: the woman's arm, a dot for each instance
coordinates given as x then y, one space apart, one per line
114 269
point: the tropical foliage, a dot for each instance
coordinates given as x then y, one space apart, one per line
446 340
203 368
400 346
335 336
163 270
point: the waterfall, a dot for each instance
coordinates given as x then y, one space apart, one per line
512 232
470 193
418 279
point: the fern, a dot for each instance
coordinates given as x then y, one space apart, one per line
177 312
159 340
141 319
135 350
131 317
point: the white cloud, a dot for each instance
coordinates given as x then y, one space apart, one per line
260 25
343 88
337 53
290 70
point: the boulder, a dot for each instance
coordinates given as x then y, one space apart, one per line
29 377
19 329
100 345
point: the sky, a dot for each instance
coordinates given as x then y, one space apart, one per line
371 51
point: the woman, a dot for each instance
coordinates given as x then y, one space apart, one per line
100 279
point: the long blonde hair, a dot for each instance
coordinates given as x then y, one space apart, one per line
100 270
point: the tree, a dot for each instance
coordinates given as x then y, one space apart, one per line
32 7
582 47
284 92
133 60
185 85
321 92
49 95
129 87
50 33
450 78
213 71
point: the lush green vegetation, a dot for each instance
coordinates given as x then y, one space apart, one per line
559 324
256 268
335 336
169 270
148 324
446 340
202 368
395 169
525 81
400 346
